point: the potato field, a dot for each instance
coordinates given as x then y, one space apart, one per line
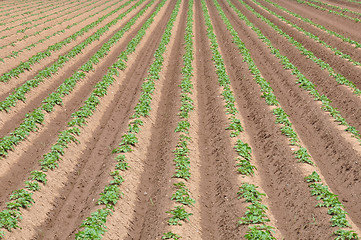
180 119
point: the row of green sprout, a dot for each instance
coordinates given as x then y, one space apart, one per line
43 39
319 26
322 192
255 216
181 153
22 198
36 117
95 225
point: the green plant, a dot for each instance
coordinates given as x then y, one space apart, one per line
179 214
94 226
245 167
255 214
259 232
38 176
343 234
303 156
32 185
314 177
182 194
110 196
170 235
243 150
21 199
9 219
250 193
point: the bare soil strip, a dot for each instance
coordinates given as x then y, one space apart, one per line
324 140
35 97
289 197
24 13
220 208
22 45
349 104
90 166
324 36
345 4
26 154
48 16
330 21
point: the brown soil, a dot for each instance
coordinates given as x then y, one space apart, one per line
345 4
56 121
74 187
34 39
309 119
51 15
355 53
333 22
347 13
23 12
34 98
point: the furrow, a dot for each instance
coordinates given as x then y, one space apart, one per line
25 157
338 24
315 130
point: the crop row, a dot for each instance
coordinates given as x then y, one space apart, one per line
312 36
336 7
41 19
95 225
16 4
181 152
305 83
14 54
338 217
309 54
329 10
32 120
309 21
23 30
19 93
36 5
22 198
15 72
28 13
255 216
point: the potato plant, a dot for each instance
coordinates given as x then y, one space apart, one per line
50 161
93 227
309 21
181 152
30 124
336 51
255 216
328 10
305 83
15 72
301 153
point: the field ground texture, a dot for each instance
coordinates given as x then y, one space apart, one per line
180 119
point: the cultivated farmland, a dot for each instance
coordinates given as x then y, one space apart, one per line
180 119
